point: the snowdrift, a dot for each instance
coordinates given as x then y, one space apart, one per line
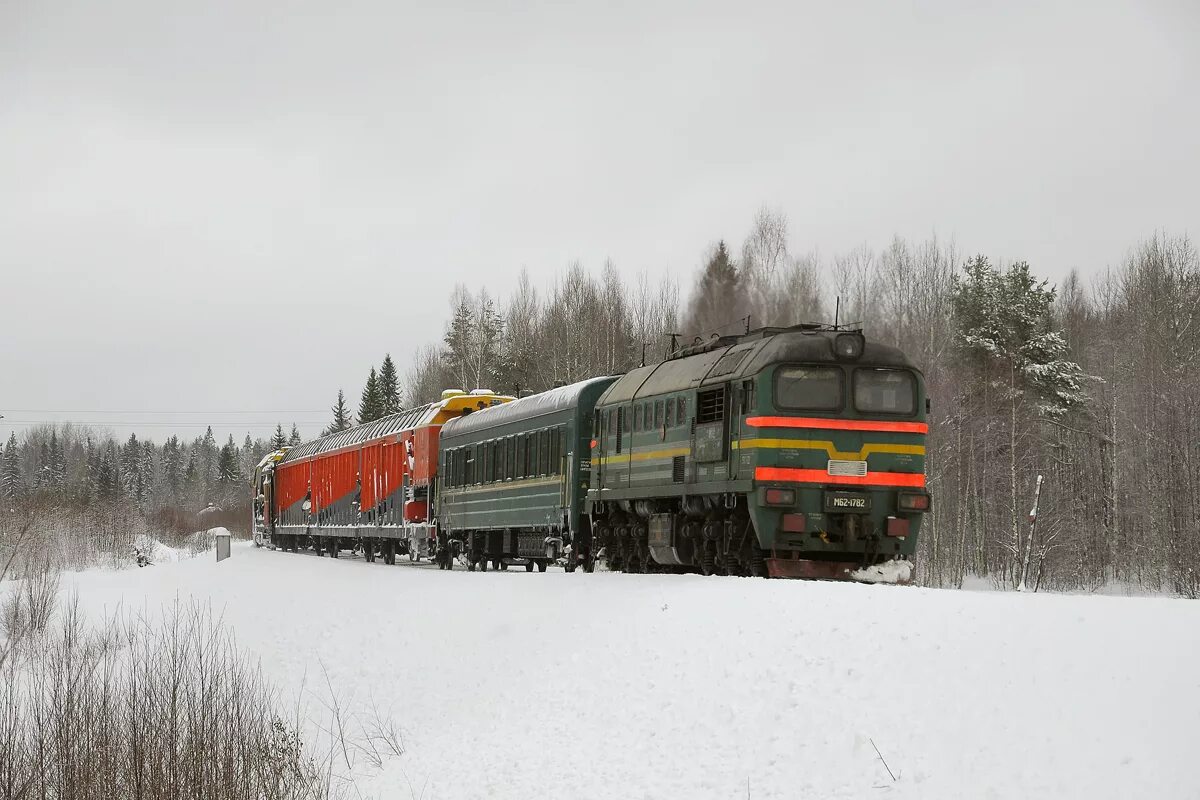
516 685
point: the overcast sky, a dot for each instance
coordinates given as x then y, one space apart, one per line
218 208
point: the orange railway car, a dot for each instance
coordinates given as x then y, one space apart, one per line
368 486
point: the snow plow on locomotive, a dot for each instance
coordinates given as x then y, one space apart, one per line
784 452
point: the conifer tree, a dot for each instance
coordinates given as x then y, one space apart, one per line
294 439
58 463
41 479
171 466
87 486
228 470
719 298
146 467
341 415
278 441
108 476
371 404
208 462
389 387
11 483
131 469
460 333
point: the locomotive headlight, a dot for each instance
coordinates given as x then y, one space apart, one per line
848 345
780 497
913 501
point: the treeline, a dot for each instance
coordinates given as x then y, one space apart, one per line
70 467
1088 385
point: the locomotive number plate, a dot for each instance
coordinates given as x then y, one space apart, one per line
847 501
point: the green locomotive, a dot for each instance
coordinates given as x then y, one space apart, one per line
789 452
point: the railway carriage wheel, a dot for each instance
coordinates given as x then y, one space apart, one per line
541 565
529 566
501 564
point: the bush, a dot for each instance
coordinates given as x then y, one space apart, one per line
141 708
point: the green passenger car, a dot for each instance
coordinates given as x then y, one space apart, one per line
514 479
794 452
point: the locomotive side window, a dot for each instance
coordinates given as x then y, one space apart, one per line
681 410
670 423
637 418
809 388
520 473
511 449
885 391
531 455
658 414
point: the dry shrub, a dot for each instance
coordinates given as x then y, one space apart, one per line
143 708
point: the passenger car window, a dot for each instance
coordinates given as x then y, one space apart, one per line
809 388
885 391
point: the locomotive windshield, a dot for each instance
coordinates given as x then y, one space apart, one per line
809 388
885 391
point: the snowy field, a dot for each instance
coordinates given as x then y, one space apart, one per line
515 685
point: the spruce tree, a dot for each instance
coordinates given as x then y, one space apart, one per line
91 463
719 298
146 467
228 470
58 463
370 405
341 415
278 441
460 334
131 469
208 461
108 475
11 484
389 387
171 466
294 439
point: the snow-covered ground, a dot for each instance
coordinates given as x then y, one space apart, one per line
516 685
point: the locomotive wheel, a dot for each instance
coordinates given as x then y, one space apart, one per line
570 567
471 566
334 550
589 564
483 565
529 566
707 565
541 565
502 564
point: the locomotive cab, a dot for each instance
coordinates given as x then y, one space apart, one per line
836 443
